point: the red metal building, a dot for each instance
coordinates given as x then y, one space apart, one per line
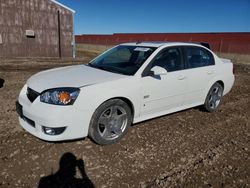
238 42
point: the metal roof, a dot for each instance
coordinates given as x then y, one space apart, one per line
60 4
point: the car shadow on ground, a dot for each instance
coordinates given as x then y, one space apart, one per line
65 176
1 82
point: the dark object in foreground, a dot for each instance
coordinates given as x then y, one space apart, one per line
65 176
1 82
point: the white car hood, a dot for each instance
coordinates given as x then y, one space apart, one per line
71 76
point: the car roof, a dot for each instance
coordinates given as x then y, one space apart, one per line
159 44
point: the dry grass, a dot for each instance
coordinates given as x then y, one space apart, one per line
236 58
92 47
88 51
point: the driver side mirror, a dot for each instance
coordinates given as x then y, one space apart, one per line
157 71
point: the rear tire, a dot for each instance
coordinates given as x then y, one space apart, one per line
213 98
110 122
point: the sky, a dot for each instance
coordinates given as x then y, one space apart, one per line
159 16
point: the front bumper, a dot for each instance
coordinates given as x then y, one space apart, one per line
34 116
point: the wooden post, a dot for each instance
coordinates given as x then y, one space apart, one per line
59 34
229 48
221 42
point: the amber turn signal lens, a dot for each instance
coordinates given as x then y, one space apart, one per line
64 97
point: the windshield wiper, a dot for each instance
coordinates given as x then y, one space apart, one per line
105 68
91 65
96 66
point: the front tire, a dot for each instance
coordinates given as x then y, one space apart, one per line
110 122
213 98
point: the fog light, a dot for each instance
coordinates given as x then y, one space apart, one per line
53 131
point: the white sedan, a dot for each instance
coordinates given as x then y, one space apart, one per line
128 84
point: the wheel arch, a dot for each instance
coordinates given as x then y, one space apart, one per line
211 107
220 81
127 101
92 130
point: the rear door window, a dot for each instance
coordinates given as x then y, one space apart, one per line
198 57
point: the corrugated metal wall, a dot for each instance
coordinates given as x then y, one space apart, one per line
220 42
41 16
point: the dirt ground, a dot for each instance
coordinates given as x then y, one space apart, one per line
185 149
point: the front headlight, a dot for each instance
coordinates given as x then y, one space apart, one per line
60 96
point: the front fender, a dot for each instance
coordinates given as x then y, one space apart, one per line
93 96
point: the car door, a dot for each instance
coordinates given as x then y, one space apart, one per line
200 70
164 92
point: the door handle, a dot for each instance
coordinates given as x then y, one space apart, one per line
210 72
182 77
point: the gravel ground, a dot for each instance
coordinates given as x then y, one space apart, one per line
185 149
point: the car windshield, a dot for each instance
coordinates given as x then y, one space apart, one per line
123 59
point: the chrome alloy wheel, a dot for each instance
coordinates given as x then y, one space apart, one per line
112 122
215 97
